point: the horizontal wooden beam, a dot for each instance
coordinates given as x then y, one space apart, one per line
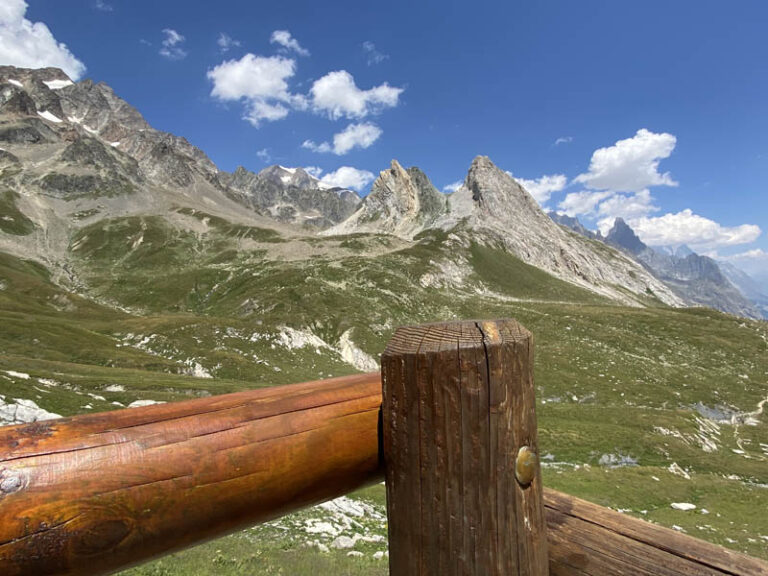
100 492
91 494
587 539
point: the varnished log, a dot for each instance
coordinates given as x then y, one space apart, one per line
464 491
91 494
100 492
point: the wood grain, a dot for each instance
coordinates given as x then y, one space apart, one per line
96 493
458 404
91 494
585 538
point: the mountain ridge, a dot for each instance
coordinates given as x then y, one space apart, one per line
100 159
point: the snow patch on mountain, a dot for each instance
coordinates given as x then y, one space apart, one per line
57 84
49 116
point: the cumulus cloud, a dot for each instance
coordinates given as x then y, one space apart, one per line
337 95
260 82
699 232
347 177
30 44
264 155
315 171
172 45
582 203
288 42
373 56
563 140
626 206
360 135
226 42
453 186
749 255
630 165
542 188
754 262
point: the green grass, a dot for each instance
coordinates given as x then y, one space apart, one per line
610 380
12 220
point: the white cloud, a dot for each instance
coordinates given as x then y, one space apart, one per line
30 44
315 171
749 255
373 56
284 39
629 207
264 155
103 6
563 140
226 42
453 186
541 188
582 203
754 262
172 45
360 135
261 82
337 95
347 177
688 228
630 165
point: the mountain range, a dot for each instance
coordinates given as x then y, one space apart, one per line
134 271
75 154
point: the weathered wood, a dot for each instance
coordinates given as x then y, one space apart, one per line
458 405
91 494
99 492
587 539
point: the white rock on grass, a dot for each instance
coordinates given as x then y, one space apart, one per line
140 403
343 542
685 506
675 469
22 412
355 553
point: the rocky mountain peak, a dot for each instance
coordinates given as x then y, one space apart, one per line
402 202
283 176
623 236
495 192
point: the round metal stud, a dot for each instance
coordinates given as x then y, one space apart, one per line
525 466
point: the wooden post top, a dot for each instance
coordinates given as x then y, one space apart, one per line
425 338
464 492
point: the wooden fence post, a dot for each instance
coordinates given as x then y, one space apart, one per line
464 491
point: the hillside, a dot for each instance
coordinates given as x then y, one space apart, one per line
139 272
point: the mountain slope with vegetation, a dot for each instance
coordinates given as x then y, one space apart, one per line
138 272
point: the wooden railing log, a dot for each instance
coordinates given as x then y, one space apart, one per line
99 492
91 494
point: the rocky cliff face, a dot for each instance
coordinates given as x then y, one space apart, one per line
492 208
574 224
697 279
293 196
402 202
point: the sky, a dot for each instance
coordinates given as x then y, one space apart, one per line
656 112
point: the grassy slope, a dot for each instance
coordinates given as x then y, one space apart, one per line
611 381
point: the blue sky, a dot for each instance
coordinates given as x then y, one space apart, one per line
653 111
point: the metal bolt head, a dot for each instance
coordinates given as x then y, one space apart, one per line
525 465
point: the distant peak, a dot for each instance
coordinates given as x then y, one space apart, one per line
483 161
622 235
